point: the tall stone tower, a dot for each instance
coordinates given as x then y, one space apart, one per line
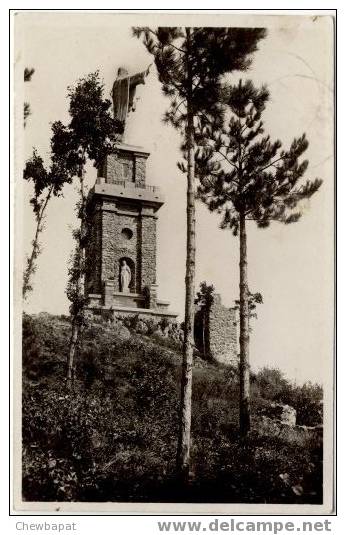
122 213
122 217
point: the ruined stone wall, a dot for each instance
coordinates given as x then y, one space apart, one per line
222 333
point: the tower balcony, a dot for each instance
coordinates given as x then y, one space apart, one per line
128 190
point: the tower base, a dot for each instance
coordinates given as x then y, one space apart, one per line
129 304
121 312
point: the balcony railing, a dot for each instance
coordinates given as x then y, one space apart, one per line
128 184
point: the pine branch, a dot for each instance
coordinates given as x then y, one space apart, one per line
270 164
228 160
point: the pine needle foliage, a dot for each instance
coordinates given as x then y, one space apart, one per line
191 63
244 175
242 171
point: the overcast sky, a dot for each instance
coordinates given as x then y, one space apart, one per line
292 266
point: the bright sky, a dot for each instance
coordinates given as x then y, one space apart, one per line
292 266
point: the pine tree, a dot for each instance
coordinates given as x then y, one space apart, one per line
190 63
245 176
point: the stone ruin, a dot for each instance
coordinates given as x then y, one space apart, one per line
216 332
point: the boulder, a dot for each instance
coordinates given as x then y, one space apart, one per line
122 332
281 412
288 415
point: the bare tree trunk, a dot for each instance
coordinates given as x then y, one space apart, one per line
29 270
76 323
72 352
244 365
183 454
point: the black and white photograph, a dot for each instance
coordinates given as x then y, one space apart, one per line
174 262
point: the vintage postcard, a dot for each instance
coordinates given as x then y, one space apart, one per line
173 262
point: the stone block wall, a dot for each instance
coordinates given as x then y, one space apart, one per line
119 168
123 226
140 170
116 234
116 245
222 333
93 253
127 166
148 250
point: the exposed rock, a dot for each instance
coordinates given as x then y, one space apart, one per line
297 434
288 415
280 412
122 332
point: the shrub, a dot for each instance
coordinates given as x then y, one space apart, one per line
114 437
307 399
308 402
131 321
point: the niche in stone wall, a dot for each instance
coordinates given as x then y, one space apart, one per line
127 168
130 263
126 234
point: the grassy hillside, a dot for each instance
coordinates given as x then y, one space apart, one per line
114 437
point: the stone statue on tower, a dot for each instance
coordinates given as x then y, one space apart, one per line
121 254
125 277
124 91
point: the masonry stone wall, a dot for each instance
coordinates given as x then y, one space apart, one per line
93 253
222 332
119 168
123 227
127 166
140 170
148 250
118 233
115 246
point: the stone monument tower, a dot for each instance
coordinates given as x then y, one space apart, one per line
122 213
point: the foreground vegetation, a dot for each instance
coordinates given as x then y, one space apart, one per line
113 438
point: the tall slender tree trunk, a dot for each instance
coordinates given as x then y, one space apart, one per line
76 323
244 365
29 270
184 438
72 352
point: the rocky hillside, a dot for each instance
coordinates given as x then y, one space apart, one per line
114 437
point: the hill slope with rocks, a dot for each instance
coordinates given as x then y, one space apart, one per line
113 437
